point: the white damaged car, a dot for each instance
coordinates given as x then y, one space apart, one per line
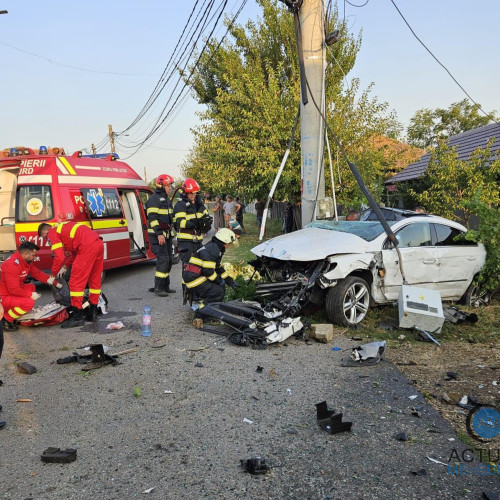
348 265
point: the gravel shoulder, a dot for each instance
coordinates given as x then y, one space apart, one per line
190 442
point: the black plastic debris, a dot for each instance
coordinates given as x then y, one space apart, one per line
401 436
255 465
416 412
491 495
454 315
96 358
199 365
259 369
330 421
58 456
451 376
420 472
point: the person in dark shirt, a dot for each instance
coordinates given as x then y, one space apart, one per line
239 214
259 210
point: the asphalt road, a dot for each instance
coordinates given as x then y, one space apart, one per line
189 443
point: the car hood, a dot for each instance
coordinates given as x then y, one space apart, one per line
310 244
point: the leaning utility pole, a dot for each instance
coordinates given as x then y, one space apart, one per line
111 138
311 42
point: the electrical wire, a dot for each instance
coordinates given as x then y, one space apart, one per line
51 61
488 115
354 5
165 115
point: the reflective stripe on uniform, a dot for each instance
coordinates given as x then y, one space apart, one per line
94 291
76 294
213 276
224 275
164 211
154 223
10 312
179 215
161 275
190 237
195 260
196 282
190 216
152 210
74 228
56 246
19 310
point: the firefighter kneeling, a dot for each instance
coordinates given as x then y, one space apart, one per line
203 275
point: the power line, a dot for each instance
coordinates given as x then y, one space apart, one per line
51 61
354 5
488 115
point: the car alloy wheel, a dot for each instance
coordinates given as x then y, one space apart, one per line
348 302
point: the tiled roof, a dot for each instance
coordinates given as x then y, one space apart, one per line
465 144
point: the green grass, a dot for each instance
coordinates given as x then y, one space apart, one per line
242 254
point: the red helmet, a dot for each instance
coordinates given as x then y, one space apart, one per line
163 180
190 186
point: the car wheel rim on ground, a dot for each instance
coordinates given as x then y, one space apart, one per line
356 303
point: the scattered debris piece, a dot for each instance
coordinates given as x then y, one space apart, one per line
420 472
336 348
289 391
273 373
454 315
24 400
330 421
247 421
321 332
198 323
137 392
437 461
259 369
495 382
480 386
416 412
357 339
168 392
149 490
401 337
366 354
413 397
199 365
451 439
389 324
26 368
491 495
464 400
57 456
451 376
256 465
425 335
115 326
401 436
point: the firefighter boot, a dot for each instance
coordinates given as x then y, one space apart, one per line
8 326
92 314
76 319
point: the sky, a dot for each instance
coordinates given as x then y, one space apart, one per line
124 46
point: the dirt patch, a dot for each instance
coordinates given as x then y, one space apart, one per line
477 371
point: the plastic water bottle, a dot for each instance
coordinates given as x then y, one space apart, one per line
146 321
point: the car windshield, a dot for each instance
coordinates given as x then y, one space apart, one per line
368 230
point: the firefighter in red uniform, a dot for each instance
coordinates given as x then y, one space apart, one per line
18 297
87 251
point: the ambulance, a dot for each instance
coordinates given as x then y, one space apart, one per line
103 193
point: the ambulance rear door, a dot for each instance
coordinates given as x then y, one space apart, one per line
107 218
8 185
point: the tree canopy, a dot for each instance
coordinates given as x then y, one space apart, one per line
428 126
250 85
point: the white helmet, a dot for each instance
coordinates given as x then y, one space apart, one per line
225 235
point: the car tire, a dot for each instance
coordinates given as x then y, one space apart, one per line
475 297
339 301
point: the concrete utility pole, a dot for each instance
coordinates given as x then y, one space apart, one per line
312 38
111 138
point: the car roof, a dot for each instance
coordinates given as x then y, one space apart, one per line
390 214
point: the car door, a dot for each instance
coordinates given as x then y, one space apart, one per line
420 260
459 260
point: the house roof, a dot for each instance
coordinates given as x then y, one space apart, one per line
465 144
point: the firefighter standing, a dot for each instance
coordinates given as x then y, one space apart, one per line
191 220
87 251
18 297
203 274
159 211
